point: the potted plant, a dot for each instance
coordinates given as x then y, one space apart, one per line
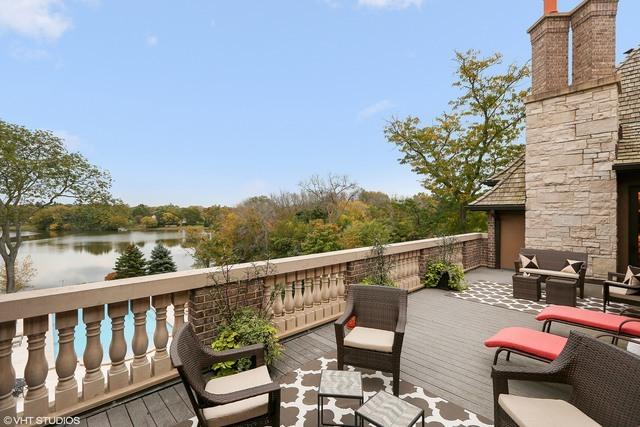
442 273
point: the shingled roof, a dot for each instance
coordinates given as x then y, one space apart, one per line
508 191
628 150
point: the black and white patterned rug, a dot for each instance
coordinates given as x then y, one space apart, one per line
299 399
501 295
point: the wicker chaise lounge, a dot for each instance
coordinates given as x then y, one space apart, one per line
376 341
605 388
246 398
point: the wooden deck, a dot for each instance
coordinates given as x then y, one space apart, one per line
442 352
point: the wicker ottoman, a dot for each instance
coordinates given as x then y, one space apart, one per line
561 291
526 287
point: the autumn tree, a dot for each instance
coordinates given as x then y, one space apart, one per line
37 170
475 138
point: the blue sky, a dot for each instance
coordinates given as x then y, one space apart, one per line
203 102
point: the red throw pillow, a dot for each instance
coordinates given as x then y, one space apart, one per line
351 323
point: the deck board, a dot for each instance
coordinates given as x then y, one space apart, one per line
443 352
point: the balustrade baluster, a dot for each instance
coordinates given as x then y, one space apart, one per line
140 367
310 315
288 296
36 401
160 362
278 304
325 288
341 292
317 297
118 375
297 298
93 381
67 360
179 300
7 373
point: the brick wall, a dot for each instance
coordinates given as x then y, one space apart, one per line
571 187
550 53
594 40
491 239
204 311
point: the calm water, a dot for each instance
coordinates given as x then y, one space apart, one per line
71 259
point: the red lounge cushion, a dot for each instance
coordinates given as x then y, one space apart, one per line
595 319
541 344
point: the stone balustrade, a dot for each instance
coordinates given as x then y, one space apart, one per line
300 293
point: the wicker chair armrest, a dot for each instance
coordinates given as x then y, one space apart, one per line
608 283
344 318
630 311
615 277
210 399
552 372
255 350
518 265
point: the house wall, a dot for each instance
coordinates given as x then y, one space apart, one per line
571 187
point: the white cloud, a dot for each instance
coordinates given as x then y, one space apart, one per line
390 4
152 40
39 19
25 53
373 109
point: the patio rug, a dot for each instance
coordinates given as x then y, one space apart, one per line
501 295
299 399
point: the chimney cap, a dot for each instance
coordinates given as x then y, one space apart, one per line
550 6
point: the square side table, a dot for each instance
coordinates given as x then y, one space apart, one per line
339 384
387 410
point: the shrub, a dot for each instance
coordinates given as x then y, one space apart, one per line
436 269
378 267
246 327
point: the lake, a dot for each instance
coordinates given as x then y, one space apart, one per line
70 259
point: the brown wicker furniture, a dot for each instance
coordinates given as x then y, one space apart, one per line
561 291
605 388
615 281
384 410
246 398
339 385
552 260
376 341
527 287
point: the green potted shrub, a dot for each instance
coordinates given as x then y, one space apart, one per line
442 273
246 327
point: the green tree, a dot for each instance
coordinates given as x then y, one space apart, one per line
131 263
321 238
161 261
191 215
37 170
473 140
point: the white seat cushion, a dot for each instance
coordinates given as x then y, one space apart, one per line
533 412
242 410
370 339
553 273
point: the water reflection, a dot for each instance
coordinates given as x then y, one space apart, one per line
68 259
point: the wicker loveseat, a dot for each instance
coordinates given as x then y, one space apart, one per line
376 341
605 388
554 261
246 398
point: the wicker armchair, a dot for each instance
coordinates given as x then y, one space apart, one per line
605 387
246 398
376 341
615 281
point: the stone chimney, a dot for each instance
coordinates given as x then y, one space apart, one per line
550 49
593 24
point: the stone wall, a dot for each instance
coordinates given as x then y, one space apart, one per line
571 187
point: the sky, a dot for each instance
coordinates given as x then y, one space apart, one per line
210 102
